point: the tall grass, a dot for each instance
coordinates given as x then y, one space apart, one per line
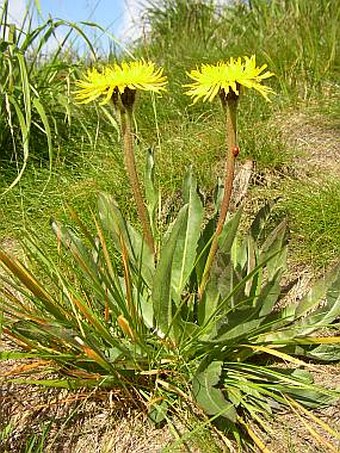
298 39
35 83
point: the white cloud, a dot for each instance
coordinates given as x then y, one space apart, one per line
132 23
131 27
16 10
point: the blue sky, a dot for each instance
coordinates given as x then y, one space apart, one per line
120 17
112 14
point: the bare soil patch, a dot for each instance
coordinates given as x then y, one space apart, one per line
316 141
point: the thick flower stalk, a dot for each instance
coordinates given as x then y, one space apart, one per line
118 84
226 80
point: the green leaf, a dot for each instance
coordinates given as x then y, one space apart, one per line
275 243
311 395
223 273
146 308
71 384
141 257
113 221
157 412
234 309
203 247
269 294
229 233
327 353
139 253
323 353
241 331
15 355
223 277
329 309
161 291
261 219
209 397
327 287
207 308
150 191
186 247
253 285
80 252
218 195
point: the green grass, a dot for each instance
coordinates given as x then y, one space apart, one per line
297 39
87 155
314 212
35 88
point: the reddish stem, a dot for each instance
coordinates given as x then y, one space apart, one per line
229 104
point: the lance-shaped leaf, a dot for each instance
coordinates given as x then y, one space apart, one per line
150 190
327 288
186 247
161 291
80 252
222 276
113 221
140 255
275 242
261 220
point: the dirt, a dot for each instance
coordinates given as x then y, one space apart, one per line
316 141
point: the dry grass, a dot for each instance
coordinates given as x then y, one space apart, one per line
291 433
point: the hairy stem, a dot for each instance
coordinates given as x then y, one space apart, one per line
229 104
130 164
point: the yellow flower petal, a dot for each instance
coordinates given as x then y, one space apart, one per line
211 79
135 75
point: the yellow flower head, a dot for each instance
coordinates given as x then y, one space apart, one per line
135 75
210 80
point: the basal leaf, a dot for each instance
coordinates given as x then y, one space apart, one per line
113 221
161 291
186 247
324 352
241 330
80 252
261 220
151 193
223 277
229 233
275 243
158 411
329 308
209 397
269 294
327 288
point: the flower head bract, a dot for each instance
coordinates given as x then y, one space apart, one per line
210 80
135 75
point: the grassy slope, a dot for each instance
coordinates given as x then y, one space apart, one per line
286 38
